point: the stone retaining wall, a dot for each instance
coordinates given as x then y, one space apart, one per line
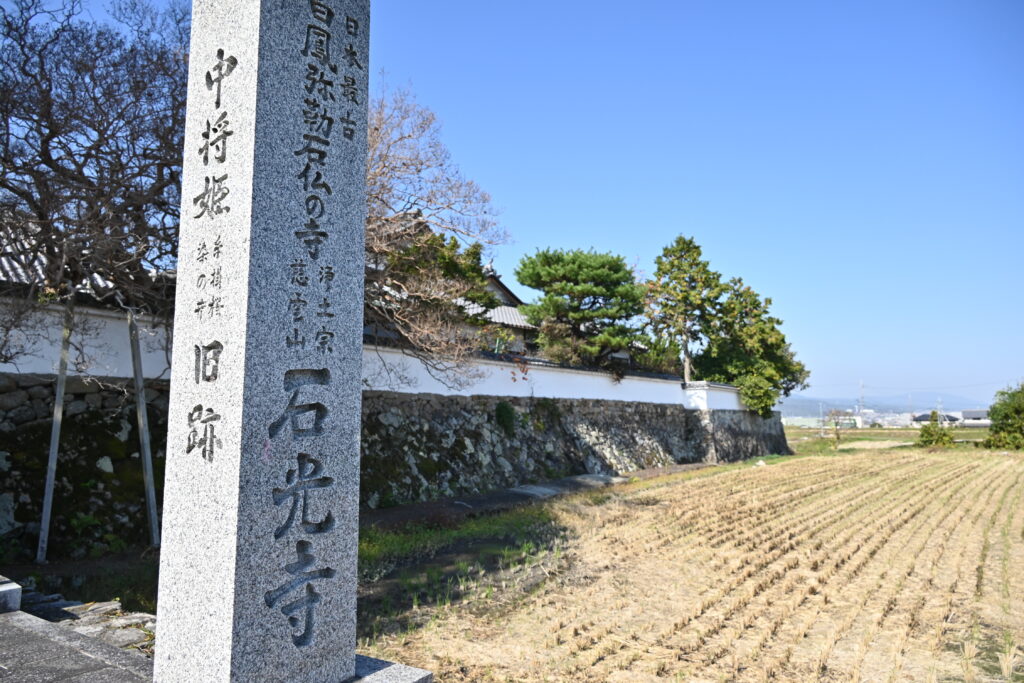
415 447
98 494
419 447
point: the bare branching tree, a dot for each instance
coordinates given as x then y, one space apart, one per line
91 126
409 170
90 167
425 286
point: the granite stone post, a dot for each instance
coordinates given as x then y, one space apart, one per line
258 567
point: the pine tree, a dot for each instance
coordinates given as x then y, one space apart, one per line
683 298
588 302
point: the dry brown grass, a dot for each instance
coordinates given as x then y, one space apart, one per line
900 565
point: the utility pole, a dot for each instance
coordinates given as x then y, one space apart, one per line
821 419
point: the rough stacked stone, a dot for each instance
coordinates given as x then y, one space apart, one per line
28 398
421 447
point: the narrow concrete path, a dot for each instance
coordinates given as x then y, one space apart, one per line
451 510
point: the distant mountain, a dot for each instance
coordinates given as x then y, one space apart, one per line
801 405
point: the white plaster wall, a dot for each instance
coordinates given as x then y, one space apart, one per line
100 346
724 398
389 370
695 399
106 353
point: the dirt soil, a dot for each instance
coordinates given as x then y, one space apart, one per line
897 565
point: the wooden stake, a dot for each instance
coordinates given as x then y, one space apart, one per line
143 422
58 414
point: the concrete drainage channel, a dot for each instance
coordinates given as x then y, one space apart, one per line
452 510
568 485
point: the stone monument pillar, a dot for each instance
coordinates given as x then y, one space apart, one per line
260 529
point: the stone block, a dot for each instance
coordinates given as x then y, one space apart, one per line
41 408
10 595
76 384
262 481
22 414
40 392
371 670
7 383
123 637
75 408
33 380
12 399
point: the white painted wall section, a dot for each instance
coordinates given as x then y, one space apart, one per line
104 351
387 369
100 346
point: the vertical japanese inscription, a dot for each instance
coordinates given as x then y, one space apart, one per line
211 205
301 418
327 88
329 75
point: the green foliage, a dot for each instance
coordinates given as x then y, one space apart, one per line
496 338
380 550
81 523
423 257
723 330
505 416
588 302
746 348
661 354
546 414
94 511
683 298
935 435
1007 415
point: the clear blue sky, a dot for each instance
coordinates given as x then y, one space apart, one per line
860 162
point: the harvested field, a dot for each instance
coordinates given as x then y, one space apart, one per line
888 565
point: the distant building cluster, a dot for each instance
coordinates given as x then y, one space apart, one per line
874 418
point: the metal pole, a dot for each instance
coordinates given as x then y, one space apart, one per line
143 420
58 414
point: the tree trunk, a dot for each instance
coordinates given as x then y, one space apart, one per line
143 422
687 366
58 414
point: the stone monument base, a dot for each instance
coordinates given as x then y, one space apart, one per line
10 595
370 670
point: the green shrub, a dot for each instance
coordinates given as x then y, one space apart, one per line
1007 415
935 435
545 413
505 416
